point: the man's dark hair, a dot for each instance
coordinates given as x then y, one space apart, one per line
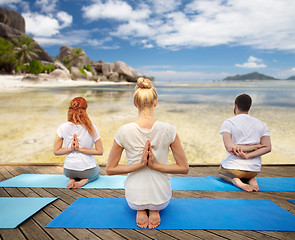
243 102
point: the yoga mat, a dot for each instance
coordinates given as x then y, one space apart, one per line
14 211
208 183
292 201
60 181
210 214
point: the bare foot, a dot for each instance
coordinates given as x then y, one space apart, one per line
244 186
142 219
253 184
71 183
80 183
154 219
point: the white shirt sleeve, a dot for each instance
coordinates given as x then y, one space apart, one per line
119 137
226 127
60 131
172 133
97 133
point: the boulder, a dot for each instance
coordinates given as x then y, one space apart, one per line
76 74
107 69
130 74
59 65
60 74
89 75
12 25
12 19
31 78
65 51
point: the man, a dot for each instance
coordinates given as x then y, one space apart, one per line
245 138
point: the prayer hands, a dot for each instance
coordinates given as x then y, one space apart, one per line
148 158
75 143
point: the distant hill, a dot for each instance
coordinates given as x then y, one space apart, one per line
250 76
291 78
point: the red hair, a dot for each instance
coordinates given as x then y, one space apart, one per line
77 114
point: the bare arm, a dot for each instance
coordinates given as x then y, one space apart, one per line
113 167
181 165
234 148
97 150
58 149
265 142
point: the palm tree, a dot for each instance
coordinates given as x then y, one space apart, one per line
75 57
25 49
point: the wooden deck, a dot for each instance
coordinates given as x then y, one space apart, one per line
33 228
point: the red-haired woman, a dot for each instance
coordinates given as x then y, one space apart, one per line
80 135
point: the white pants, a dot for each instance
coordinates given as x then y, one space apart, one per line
148 206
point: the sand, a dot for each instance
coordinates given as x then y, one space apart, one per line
30 114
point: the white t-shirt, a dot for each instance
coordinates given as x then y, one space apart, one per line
146 186
245 130
76 160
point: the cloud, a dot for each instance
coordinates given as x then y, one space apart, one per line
15 4
252 62
180 24
115 10
46 25
47 6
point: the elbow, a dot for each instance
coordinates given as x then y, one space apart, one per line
185 170
109 171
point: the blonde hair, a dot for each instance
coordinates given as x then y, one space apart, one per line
144 94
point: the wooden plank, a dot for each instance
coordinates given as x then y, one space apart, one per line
179 234
11 234
203 234
107 234
131 234
33 231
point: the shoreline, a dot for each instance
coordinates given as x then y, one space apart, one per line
14 83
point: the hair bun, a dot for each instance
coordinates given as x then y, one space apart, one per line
144 83
78 103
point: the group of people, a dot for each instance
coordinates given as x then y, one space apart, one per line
147 142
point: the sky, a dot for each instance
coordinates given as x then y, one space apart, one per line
172 40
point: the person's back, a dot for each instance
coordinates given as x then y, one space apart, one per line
245 138
147 142
154 186
245 130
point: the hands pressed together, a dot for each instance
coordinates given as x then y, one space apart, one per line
148 158
75 143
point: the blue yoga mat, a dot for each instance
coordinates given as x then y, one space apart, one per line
211 214
13 211
60 181
208 183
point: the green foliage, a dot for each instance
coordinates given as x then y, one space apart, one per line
7 55
47 68
75 57
88 67
82 71
25 49
35 67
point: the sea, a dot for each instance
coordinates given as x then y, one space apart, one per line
29 117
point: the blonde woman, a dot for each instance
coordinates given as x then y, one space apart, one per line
82 141
147 142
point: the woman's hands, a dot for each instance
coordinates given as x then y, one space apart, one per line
75 143
148 158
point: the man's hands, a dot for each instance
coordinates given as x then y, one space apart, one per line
243 151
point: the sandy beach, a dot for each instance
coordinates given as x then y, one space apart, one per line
31 113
